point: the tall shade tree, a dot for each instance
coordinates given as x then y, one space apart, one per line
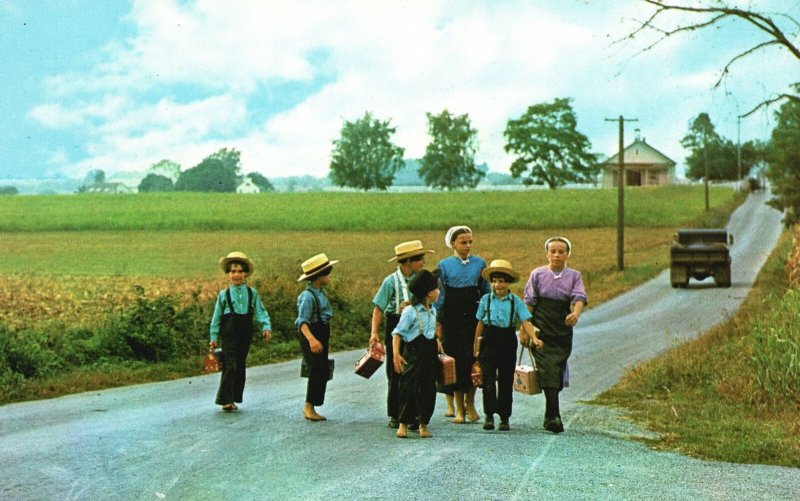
449 161
548 146
364 157
783 157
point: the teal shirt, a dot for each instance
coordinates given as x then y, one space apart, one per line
307 312
408 327
387 298
240 306
501 310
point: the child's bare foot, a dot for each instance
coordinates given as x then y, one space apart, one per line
402 431
311 414
451 411
423 431
459 419
472 414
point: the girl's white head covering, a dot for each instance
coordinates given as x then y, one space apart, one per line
559 239
448 237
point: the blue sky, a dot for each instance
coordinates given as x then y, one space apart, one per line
119 85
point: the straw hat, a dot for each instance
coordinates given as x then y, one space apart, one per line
236 256
424 282
500 266
314 265
409 249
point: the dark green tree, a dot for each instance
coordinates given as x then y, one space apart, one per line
708 149
783 161
449 161
548 146
261 181
9 190
364 157
155 182
209 175
230 158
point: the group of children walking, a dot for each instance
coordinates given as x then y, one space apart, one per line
464 308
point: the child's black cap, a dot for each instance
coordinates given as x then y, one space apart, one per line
424 282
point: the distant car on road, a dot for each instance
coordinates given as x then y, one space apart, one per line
699 254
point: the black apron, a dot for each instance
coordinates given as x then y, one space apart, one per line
551 359
458 332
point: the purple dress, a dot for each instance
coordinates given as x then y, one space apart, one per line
551 295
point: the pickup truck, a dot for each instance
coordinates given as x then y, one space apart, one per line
699 254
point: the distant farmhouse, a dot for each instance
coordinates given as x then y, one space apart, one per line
644 166
105 187
247 186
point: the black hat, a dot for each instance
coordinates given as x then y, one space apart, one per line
424 282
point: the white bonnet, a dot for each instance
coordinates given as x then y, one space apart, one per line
449 235
559 239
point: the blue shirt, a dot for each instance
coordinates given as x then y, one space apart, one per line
408 327
387 298
307 312
501 310
455 273
240 306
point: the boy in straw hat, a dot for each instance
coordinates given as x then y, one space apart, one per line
314 313
496 340
234 311
392 297
418 363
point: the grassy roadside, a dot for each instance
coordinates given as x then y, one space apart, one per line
734 393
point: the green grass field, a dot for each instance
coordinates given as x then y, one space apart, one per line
337 211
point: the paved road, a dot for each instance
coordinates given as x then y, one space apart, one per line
167 440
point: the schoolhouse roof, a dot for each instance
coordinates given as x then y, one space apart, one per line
640 153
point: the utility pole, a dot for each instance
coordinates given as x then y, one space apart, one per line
621 191
739 146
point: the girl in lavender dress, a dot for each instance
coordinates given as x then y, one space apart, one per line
555 295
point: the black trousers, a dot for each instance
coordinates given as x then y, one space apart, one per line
418 381
317 363
392 377
498 358
236 336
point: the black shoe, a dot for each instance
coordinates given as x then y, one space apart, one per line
504 426
489 424
554 425
414 426
393 423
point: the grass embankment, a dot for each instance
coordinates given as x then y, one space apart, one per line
90 307
734 393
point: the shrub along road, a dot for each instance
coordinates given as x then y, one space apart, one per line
168 441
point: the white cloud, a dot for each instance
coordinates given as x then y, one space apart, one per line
181 87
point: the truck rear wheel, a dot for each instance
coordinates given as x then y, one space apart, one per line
678 276
722 276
